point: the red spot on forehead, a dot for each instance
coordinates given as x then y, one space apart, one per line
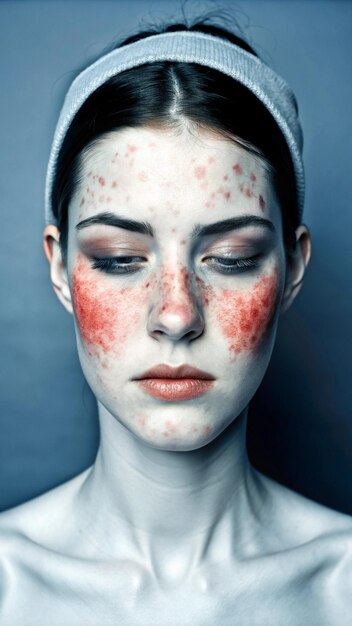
101 181
131 147
114 184
249 193
237 168
245 318
252 177
199 171
227 195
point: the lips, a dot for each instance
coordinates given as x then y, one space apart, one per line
175 383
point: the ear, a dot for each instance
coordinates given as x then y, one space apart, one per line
58 271
297 262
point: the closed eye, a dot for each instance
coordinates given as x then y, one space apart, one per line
229 265
118 264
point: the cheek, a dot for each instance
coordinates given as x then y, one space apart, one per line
106 316
245 318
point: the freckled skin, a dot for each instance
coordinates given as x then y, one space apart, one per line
167 286
187 287
245 318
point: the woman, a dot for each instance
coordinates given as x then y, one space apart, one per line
174 236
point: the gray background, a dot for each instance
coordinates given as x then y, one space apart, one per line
300 429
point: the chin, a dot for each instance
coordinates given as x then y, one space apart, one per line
174 443
173 435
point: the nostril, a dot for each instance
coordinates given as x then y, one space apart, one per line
176 319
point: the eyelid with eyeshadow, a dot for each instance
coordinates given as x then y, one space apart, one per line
95 249
253 239
232 250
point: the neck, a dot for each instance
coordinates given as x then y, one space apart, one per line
165 504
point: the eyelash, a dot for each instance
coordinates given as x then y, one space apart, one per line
233 266
109 265
123 264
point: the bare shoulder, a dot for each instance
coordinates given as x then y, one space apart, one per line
36 518
301 518
34 536
309 548
301 524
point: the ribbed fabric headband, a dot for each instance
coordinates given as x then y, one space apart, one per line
188 47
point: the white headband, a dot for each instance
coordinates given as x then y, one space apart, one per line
188 47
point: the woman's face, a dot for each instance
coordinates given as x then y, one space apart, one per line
175 257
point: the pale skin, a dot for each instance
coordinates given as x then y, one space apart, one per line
172 525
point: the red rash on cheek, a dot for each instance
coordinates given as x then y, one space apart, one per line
106 314
244 318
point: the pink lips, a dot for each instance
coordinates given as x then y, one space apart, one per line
175 383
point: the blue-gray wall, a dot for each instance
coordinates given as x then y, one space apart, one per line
301 424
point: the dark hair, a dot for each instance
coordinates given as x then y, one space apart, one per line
164 93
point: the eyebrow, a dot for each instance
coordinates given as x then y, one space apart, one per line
232 223
145 228
111 219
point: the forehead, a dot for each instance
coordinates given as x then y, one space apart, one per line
193 173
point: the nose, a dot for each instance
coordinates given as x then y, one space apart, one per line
176 312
